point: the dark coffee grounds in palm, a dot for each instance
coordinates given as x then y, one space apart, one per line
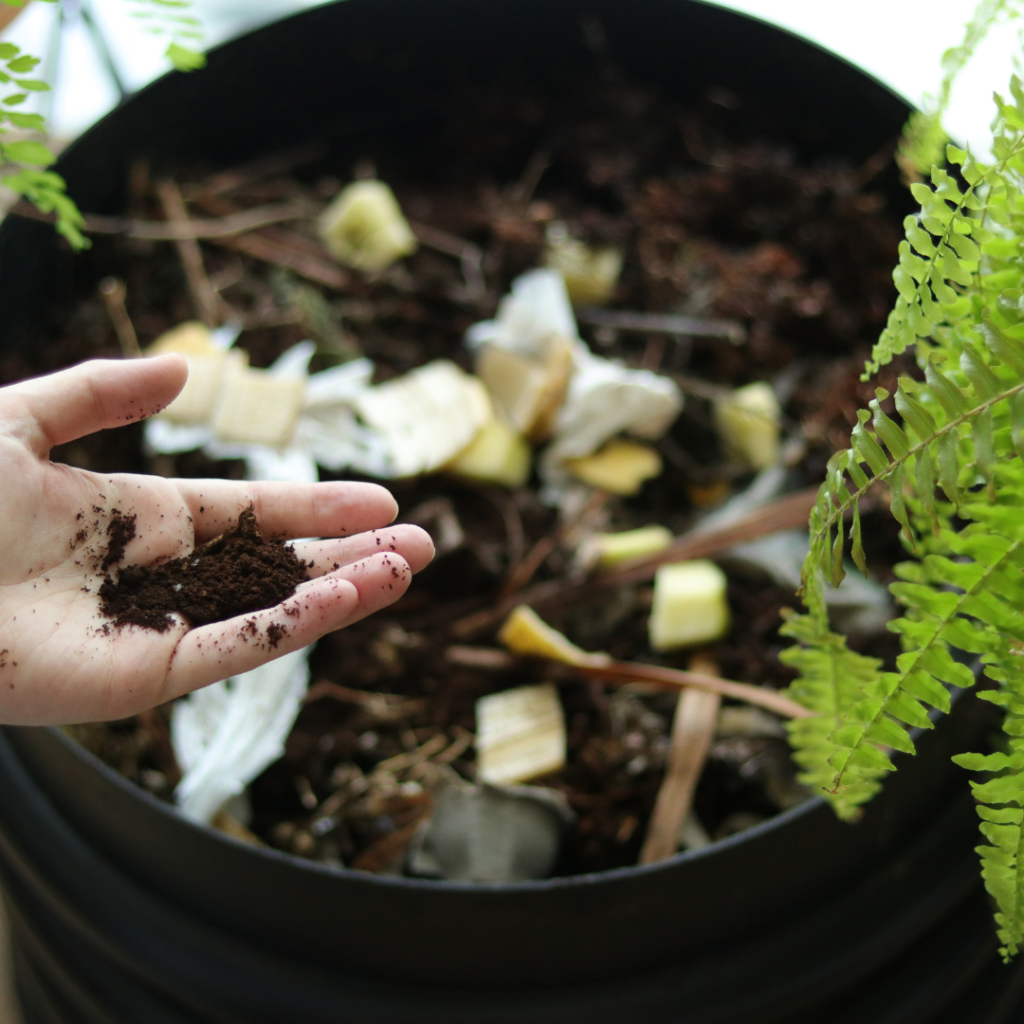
234 574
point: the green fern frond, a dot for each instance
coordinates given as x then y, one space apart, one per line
832 680
923 142
172 18
943 246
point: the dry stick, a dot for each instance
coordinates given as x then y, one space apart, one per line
663 323
183 230
784 514
113 292
470 256
620 673
522 573
288 249
692 732
281 254
190 254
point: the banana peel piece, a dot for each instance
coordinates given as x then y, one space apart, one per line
609 549
690 605
258 407
748 422
208 366
497 455
364 227
526 633
620 467
520 735
425 417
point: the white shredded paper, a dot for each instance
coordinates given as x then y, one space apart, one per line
226 734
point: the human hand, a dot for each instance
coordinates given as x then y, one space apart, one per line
58 664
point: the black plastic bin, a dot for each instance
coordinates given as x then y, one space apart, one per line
124 912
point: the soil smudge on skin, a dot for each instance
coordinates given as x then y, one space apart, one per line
237 572
120 530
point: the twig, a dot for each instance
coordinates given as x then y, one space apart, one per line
267 167
304 256
622 672
521 193
515 536
692 731
113 292
183 230
399 762
382 706
491 659
190 254
470 256
785 514
663 323
522 573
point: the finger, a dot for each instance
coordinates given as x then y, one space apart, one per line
61 407
410 542
238 645
287 509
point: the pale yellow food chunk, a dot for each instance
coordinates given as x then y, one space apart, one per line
191 338
526 633
748 424
257 407
590 275
620 467
426 417
520 735
497 455
528 391
690 605
364 227
612 548
207 366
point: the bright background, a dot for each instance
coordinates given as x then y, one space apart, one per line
898 41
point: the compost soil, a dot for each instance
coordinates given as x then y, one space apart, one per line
234 574
710 225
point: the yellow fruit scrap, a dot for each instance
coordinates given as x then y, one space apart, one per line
590 275
207 369
528 391
497 455
690 605
520 735
620 467
526 633
191 338
258 407
613 548
364 227
748 423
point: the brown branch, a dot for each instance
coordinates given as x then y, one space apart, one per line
663 323
183 230
784 514
203 295
619 673
113 292
622 672
692 731
303 256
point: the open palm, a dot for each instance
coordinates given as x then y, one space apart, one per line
61 660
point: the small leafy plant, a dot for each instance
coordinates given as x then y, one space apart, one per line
24 163
951 459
